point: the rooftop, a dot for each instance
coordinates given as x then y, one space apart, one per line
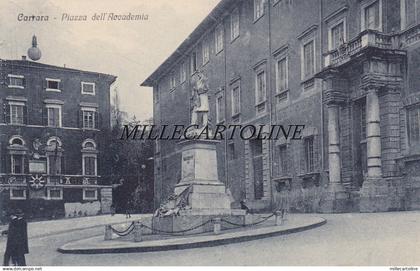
183 49
31 64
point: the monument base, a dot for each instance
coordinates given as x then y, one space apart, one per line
199 196
208 198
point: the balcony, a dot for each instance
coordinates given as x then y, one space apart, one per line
41 180
394 43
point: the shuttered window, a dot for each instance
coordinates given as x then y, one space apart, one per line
90 165
17 114
234 24
308 59
89 118
309 154
414 128
54 116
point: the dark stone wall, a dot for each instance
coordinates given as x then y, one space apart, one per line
285 26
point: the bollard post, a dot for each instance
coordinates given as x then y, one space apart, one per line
108 233
279 218
137 231
217 225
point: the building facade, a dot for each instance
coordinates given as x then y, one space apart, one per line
347 70
51 140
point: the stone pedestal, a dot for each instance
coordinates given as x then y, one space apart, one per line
106 200
207 195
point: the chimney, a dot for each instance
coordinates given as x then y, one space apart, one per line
23 57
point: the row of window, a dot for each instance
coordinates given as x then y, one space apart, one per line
16 114
50 84
54 163
371 19
281 157
52 193
219 35
260 90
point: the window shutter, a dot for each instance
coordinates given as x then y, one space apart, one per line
25 115
97 116
316 156
2 159
25 165
24 82
80 118
45 84
7 163
7 113
63 166
44 116
302 158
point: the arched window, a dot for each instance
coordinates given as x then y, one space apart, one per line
89 144
55 158
89 158
16 140
17 154
54 142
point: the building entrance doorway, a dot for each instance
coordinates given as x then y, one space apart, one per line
257 165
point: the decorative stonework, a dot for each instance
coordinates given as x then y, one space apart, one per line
367 41
334 88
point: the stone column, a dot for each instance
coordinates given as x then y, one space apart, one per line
335 197
373 134
334 162
374 192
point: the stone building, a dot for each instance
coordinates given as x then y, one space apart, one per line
51 139
347 70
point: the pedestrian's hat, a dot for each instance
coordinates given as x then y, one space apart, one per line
19 212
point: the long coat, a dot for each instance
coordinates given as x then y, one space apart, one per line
283 200
17 237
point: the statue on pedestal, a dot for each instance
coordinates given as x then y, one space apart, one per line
199 102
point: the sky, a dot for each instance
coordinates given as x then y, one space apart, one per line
131 50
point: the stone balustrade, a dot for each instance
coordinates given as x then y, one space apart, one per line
50 180
372 39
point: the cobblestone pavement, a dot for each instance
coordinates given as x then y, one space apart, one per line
346 239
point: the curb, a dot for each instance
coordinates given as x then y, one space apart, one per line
42 235
210 243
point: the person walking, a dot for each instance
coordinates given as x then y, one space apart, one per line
285 204
128 209
17 240
282 198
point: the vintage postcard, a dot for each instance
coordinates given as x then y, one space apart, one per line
210 133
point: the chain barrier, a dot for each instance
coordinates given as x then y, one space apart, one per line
124 232
208 221
248 225
177 232
131 227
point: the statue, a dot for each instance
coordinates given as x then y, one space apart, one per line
199 100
